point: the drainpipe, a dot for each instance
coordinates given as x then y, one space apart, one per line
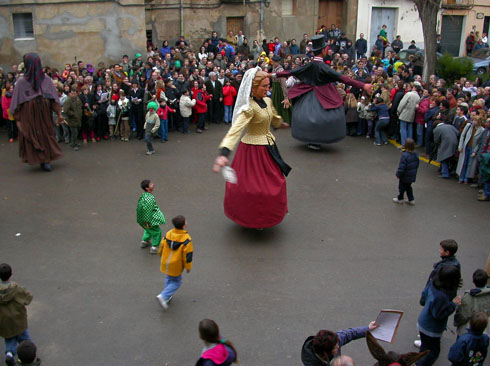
261 24
181 17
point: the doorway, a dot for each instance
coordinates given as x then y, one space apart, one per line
380 17
330 12
451 29
234 24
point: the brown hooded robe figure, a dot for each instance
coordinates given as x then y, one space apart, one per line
391 358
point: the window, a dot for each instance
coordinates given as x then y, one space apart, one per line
288 8
23 27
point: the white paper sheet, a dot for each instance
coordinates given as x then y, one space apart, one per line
388 321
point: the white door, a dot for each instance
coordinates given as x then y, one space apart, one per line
380 16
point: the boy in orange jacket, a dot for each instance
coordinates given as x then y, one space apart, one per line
176 250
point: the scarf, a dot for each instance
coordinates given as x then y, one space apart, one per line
34 71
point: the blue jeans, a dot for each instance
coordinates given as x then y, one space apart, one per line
361 127
11 343
445 168
185 124
420 134
486 189
172 284
379 130
406 130
163 130
228 113
201 121
468 159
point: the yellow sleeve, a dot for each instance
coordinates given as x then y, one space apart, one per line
235 132
276 118
188 254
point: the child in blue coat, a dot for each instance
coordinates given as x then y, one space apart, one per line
407 172
471 348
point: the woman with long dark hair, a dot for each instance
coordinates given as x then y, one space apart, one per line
438 305
34 101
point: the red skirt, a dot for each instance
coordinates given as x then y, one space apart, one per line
259 198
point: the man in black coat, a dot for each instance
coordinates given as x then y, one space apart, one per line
215 89
397 44
361 46
137 113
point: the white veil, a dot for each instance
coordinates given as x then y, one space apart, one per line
243 97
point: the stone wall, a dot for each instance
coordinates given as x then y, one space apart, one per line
200 20
91 31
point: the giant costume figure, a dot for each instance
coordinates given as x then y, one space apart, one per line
318 114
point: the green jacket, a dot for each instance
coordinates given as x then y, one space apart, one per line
73 110
477 299
13 314
147 213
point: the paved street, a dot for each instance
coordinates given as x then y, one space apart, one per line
344 252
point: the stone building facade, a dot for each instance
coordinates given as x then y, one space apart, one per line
67 31
103 30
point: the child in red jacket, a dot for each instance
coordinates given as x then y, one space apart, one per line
201 96
229 94
7 114
162 113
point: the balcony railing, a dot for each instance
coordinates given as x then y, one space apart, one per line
457 4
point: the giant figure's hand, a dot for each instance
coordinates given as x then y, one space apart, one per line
368 88
219 163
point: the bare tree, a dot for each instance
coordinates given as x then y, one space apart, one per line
428 10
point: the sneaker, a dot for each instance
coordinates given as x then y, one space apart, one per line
483 198
126 139
368 137
417 343
314 147
9 359
396 200
206 128
145 244
411 203
376 144
199 130
67 141
148 152
162 301
76 148
386 142
153 250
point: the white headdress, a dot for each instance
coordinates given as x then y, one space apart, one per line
243 97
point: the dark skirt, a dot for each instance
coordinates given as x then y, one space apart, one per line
259 198
37 138
314 124
277 98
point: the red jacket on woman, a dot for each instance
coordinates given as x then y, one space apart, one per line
201 98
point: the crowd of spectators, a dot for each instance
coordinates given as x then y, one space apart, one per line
114 98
